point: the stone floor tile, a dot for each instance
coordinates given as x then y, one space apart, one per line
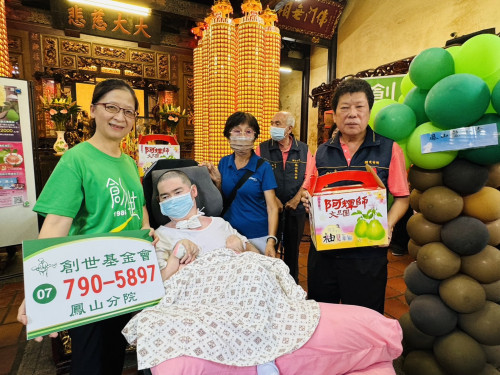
395 308
9 334
397 283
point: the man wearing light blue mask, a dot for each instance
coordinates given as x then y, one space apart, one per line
189 232
292 165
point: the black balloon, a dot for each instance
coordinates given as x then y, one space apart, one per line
431 315
465 177
418 282
465 235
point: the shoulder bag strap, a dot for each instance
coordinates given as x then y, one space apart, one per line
230 198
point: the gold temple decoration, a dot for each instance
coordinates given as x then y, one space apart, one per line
5 68
222 8
198 98
236 68
74 54
251 61
272 48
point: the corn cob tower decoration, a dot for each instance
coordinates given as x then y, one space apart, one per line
198 67
221 77
5 67
272 48
251 60
231 65
205 100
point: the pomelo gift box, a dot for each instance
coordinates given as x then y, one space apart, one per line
348 216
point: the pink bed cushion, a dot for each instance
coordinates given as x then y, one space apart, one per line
348 340
381 368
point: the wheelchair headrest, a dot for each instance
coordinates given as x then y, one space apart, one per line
209 197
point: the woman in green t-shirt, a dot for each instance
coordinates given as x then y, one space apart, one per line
95 188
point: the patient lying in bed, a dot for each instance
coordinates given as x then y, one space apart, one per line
228 312
189 233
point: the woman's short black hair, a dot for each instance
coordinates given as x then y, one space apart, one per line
238 118
352 85
103 87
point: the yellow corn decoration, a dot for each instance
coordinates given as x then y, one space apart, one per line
236 68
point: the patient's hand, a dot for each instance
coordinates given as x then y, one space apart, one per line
192 251
234 242
250 247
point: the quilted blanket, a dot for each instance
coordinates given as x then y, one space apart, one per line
239 310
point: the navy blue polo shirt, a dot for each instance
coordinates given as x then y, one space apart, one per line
248 212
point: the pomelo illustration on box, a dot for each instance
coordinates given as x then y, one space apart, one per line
348 216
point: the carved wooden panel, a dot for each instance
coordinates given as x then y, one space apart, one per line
36 51
15 44
134 70
187 67
174 72
74 54
86 63
109 67
149 71
75 46
142 56
109 52
50 47
163 66
68 61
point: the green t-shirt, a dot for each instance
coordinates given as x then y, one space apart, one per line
100 192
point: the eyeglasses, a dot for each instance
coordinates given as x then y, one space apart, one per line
113 108
239 133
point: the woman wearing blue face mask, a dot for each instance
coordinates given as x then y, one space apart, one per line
250 208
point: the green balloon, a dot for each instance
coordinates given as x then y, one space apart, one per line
430 66
434 160
377 106
495 97
416 101
406 85
457 100
491 81
479 56
396 121
485 155
453 51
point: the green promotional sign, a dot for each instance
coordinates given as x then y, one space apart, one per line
73 281
386 87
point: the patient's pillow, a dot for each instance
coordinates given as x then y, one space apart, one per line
348 340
